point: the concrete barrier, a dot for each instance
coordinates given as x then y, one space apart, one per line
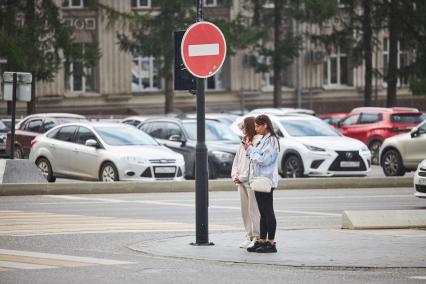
189 185
383 219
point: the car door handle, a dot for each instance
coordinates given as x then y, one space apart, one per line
75 150
52 146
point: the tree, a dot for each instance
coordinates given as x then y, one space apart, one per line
34 39
151 34
279 17
407 28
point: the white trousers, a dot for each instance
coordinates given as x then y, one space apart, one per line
249 211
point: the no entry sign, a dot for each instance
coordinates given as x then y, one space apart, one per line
203 49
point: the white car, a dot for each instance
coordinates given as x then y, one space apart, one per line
105 152
311 147
420 180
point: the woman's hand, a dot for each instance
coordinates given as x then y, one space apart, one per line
237 180
246 145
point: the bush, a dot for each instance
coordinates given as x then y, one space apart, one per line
418 87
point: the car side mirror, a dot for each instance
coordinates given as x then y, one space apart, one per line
414 132
91 143
178 138
339 124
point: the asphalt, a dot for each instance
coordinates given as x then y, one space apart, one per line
305 248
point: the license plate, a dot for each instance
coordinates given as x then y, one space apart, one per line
422 181
348 164
164 170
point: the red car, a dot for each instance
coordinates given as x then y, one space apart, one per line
33 125
333 118
372 125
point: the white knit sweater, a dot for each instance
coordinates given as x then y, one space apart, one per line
240 166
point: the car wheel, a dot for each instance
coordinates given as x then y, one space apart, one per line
392 163
46 169
374 149
18 154
108 172
292 167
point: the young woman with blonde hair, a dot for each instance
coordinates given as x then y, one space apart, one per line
239 174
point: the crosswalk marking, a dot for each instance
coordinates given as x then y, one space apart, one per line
43 261
16 259
19 265
23 223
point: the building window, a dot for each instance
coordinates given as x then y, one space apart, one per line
73 3
79 78
343 3
336 68
210 3
145 72
216 82
141 4
402 60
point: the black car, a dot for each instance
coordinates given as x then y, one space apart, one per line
180 135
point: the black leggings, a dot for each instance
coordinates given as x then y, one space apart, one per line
268 223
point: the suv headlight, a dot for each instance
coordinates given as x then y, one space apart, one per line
365 150
314 149
223 156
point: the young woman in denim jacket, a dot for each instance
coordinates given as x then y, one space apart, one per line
264 158
239 174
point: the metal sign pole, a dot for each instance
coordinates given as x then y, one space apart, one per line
12 127
201 173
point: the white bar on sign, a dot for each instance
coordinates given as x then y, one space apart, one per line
203 49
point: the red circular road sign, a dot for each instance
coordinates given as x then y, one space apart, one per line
203 49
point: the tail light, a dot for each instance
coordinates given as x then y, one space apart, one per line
33 142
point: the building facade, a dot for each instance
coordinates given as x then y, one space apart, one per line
124 83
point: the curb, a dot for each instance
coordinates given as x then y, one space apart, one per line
383 219
9 189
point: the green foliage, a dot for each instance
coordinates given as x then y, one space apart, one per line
418 87
34 39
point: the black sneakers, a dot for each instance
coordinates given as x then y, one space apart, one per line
254 247
266 248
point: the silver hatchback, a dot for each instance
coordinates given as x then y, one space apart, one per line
105 152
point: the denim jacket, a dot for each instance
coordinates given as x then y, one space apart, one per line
264 158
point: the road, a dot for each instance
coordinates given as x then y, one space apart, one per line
376 171
86 238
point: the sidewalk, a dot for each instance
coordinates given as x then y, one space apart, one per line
306 248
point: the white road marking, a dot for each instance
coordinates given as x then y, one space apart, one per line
63 257
190 205
418 277
203 49
20 265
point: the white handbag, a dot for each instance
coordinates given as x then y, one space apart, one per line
261 184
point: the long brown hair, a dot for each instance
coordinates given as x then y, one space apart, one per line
264 119
250 131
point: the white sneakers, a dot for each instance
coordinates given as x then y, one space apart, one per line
247 243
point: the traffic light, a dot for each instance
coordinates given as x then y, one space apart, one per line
183 79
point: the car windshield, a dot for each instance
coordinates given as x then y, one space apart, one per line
407 118
215 131
124 136
300 128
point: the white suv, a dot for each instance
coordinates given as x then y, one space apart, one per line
311 147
